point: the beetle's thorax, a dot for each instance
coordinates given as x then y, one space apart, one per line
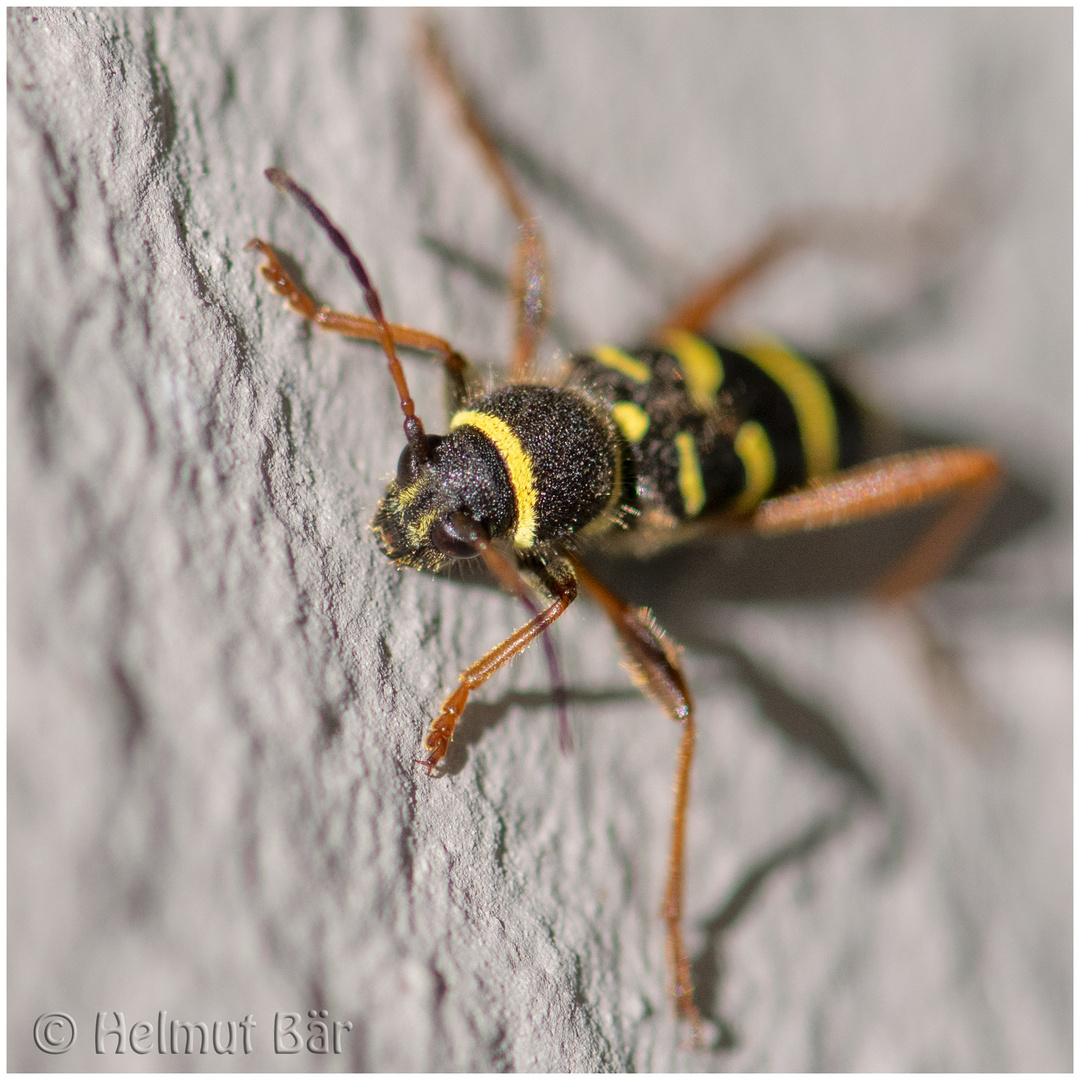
531 464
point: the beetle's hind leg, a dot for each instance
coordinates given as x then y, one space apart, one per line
655 667
965 479
461 376
967 476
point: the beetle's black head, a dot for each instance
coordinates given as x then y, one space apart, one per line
435 510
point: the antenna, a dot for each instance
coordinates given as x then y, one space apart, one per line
414 428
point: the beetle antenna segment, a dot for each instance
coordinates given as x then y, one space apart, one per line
414 428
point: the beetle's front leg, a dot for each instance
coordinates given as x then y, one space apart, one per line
460 375
561 582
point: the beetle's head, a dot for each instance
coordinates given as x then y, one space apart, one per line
445 501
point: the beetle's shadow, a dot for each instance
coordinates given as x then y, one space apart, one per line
808 731
707 966
685 588
480 717
803 726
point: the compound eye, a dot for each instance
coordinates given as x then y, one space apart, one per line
408 466
457 536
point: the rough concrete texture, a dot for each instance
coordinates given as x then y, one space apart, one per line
218 685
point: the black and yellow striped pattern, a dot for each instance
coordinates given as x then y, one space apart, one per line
805 388
712 427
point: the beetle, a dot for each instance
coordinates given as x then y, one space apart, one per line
628 450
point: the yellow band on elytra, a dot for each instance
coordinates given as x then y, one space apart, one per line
691 483
631 419
700 362
622 362
518 466
756 453
809 397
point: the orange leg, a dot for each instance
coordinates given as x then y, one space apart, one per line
693 313
881 487
655 667
560 582
862 236
458 369
341 322
528 283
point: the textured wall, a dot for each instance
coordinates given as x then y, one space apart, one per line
218 686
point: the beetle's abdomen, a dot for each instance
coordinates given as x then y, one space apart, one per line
711 427
561 454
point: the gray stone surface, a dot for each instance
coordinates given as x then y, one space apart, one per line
217 686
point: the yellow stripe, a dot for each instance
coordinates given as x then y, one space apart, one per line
633 420
623 363
691 484
754 450
809 397
518 465
701 365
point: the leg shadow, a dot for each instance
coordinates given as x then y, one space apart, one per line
707 968
481 717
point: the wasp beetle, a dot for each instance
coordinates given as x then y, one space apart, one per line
628 450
